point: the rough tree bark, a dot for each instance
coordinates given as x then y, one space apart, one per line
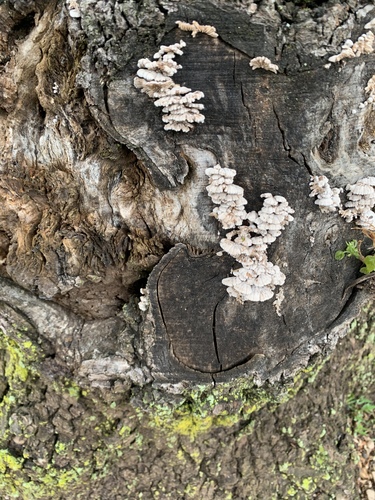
98 201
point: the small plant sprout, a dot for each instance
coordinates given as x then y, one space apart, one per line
363 411
353 249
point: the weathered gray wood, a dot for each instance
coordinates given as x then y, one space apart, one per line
275 130
92 202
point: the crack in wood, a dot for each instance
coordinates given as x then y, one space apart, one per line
159 301
344 308
214 334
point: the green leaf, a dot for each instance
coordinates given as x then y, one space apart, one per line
352 249
369 262
340 254
368 408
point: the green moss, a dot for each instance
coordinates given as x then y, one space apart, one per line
8 461
67 387
22 359
307 484
190 491
205 407
19 359
60 447
20 370
224 405
48 484
125 431
360 398
197 412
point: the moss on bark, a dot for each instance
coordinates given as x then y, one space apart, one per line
59 440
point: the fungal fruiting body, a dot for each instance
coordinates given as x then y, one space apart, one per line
346 51
144 300
360 204
364 45
361 196
370 25
196 28
231 210
370 89
252 233
73 8
264 63
328 199
154 78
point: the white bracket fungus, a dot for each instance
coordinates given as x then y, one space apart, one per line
370 25
364 45
73 8
328 199
228 196
370 89
360 204
253 232
144 300
180 111
361 196
279 297
196 28
264 63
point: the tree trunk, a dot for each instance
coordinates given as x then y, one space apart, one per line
117 330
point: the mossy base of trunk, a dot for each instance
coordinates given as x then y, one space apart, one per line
61 441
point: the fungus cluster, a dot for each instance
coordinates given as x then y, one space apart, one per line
370 25
360 204
370 89
231 210
364 45
196 28
264 63
328 199
361 196
252 233
178 103
271 219
154 78
73 8
253 7
144 300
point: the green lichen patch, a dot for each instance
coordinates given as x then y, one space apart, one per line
18 363
225 405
